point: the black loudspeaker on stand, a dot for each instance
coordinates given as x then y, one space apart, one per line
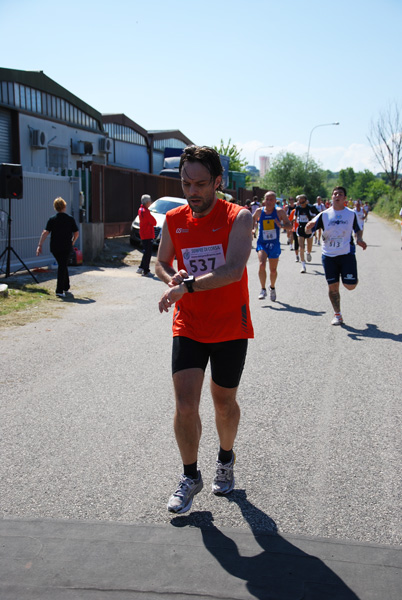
11 186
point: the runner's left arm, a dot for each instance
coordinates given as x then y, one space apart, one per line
284 220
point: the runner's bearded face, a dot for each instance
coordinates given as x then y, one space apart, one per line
198 187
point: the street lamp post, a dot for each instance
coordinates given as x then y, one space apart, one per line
309 141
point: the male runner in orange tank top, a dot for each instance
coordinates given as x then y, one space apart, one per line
211 240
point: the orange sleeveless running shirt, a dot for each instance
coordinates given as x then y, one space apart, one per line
217 315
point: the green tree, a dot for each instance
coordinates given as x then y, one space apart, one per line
375 189
389 204
347 178
290 176
361 182
236 162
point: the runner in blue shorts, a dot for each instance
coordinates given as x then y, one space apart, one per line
270 220
338 250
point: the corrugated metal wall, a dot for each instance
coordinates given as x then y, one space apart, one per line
30 214
5 136
116 195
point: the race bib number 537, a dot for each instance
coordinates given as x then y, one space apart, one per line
204 259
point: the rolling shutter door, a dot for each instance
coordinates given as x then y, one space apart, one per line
5 136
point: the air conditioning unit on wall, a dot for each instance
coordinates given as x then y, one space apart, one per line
79 147
38 139
105 145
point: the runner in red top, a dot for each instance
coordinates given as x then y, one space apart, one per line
211 240
202 245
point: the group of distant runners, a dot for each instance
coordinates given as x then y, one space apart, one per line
333 224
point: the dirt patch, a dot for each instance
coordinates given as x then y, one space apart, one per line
119 252
116 253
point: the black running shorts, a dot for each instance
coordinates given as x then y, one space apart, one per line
301 232
343 266
226 358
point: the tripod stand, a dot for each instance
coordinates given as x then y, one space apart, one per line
8 249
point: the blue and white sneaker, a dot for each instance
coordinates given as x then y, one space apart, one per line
224 479
181 500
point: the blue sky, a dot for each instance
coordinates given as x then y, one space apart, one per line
260 72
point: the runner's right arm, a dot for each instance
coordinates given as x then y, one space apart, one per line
314 224
256 218
237 255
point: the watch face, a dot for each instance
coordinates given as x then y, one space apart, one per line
188 281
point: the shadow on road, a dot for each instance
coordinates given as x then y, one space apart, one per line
372 331
295 309
321 273
280 571
71 299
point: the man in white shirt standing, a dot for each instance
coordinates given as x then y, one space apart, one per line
338 250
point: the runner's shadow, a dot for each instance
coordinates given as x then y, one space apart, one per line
294 309
372 331
281 571
73 300
314 272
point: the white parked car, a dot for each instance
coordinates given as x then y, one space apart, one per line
159 208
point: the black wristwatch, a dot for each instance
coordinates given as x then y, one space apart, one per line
188 282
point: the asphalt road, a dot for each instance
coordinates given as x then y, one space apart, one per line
87 404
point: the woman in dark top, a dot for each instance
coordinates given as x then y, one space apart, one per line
63 234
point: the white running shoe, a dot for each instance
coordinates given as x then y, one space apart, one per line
297 259
181 500
263 295
303 269
308 257
272 294
337 320
140 270
224 479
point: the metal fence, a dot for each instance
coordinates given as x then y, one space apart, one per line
30 214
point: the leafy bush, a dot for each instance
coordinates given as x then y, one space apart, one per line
389 205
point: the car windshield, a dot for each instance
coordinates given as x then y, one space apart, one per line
162 206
